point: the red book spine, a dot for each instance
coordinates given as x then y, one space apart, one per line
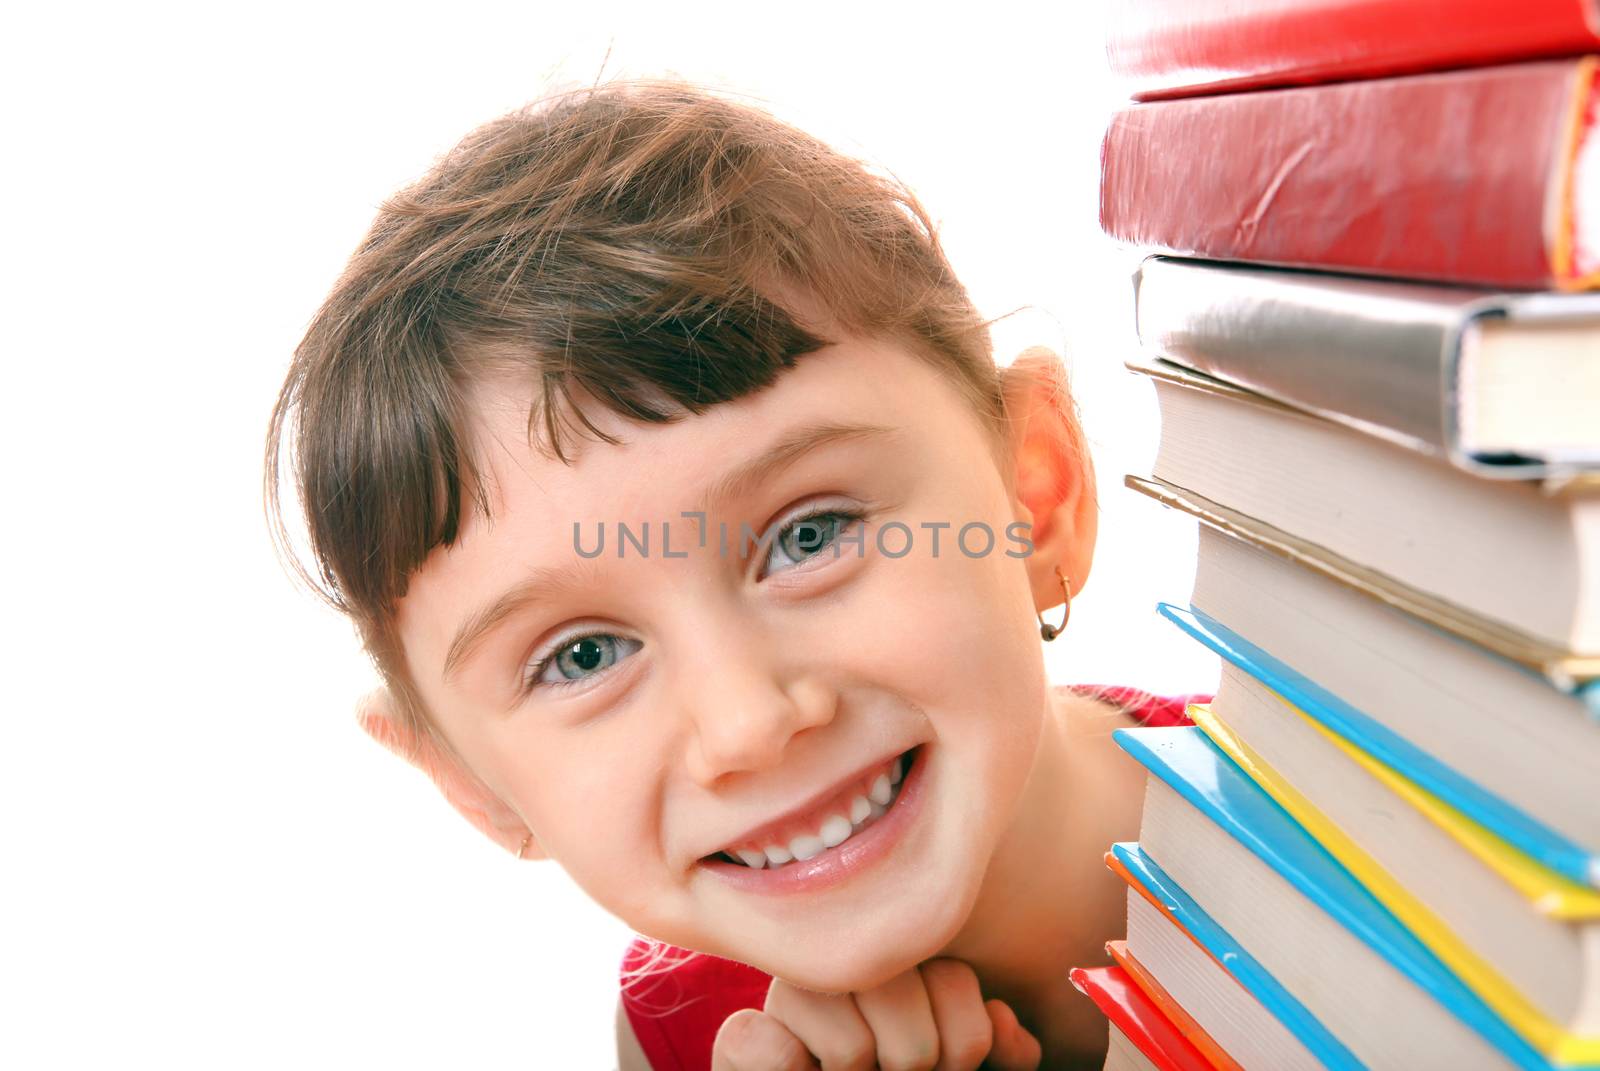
1168 48
1146 1025
1466 176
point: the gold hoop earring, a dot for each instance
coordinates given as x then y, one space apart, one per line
1050 632
525 842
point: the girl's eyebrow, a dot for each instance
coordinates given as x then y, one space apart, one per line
789 448
540 584
546 581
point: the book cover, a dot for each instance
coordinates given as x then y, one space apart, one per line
1137 1016
1167 48
1464 176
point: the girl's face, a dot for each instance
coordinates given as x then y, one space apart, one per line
645 713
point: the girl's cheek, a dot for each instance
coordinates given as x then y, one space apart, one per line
620 844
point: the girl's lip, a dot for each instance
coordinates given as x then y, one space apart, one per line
834 865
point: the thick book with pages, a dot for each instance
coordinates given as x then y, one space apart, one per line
1172 1007
1482 176
1539 972
1274 889
1243 1012
1485 736
1501 384
1517 562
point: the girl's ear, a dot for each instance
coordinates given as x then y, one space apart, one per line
377 713
1054 474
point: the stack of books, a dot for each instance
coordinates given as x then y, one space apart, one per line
1370 318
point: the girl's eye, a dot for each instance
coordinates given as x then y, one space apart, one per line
806 536
577 659
585 655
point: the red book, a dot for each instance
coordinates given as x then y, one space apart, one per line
1169 48
1137 1016
1487 176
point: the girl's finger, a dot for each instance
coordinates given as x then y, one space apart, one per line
749 1040
901 1018
1014 1048
966 1032
827 1024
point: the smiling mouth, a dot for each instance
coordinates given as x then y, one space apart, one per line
854 815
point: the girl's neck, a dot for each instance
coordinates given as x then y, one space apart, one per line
1048 903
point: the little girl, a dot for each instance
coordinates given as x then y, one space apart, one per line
664 467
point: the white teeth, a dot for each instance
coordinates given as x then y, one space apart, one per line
835 830
804 847
860 808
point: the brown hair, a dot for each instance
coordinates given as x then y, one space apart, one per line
629 241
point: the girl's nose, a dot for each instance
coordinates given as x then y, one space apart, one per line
747 709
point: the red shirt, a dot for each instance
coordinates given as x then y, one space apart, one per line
677 1009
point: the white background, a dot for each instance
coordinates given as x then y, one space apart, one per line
206 864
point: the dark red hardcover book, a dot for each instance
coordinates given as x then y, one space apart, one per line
1168 48
1488 176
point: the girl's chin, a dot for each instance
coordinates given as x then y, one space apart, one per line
853 977
832 955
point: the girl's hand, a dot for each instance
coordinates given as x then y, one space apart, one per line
930 1018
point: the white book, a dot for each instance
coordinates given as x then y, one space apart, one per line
1512 553
1224 1009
